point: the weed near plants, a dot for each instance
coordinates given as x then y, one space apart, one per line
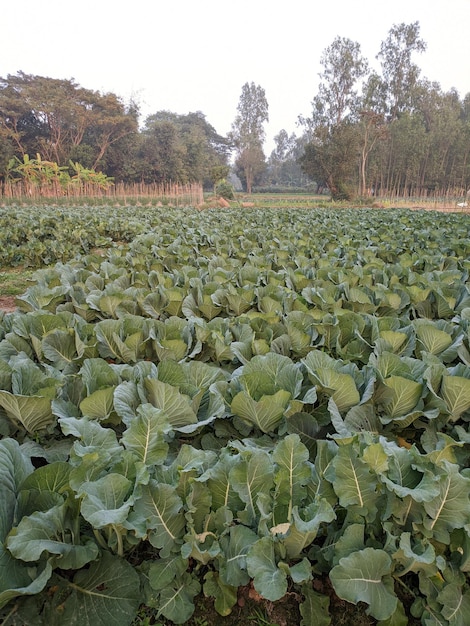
15 281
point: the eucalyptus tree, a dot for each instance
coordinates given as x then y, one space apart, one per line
463 144
441 115
400 74
248 133
283 168
332 153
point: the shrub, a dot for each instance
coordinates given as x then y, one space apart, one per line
224 190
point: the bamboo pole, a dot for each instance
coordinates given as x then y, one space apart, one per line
174 193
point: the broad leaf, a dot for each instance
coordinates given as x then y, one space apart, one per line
422 558
99 405
126 401
403 475
158 514
107 592
341 387
42 532
398 618
62 347
154 304
398 395
20 580
456 604
106 501
52 477
146 435
111 345
394 339
15 578
163 571
314 608
291 457
265 413
365 576
265 375
33 412
451 508
455 390
250 477
176 602
15 467
353 481
235 546
305 526
92 439
175 405
269 580
225 595
98 374
432 339
220 483
324 372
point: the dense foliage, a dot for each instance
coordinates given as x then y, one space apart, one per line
392 132
60 120
66 124
34 237
219 402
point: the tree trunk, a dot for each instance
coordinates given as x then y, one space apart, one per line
249 179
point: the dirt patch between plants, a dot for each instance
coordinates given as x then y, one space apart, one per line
7 304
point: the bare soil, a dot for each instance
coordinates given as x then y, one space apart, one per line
7 304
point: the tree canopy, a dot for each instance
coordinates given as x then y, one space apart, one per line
54 117
65 123
394 132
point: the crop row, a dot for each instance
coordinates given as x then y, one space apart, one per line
218 402
44 235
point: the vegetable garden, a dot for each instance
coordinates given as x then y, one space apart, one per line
191 403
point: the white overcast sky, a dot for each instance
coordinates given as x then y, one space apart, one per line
195 55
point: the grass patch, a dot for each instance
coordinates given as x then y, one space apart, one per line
15 281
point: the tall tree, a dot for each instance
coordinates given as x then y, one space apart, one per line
441 118
372 129
331 159
338 93
331 155
283 168
463 147
248 133
400 74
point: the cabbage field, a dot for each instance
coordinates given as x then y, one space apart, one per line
193 403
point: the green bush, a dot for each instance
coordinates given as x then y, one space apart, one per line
224 190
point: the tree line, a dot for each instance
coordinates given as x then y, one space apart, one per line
392 132
369 132
55 121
